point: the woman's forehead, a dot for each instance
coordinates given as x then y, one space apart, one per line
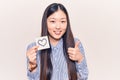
59 14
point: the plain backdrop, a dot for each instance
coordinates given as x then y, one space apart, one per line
95 22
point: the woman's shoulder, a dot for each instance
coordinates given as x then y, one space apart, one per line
30 45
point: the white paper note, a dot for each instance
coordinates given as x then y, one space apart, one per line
42 42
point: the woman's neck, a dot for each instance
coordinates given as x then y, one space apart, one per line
53 41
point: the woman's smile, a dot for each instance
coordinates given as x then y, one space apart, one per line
57 32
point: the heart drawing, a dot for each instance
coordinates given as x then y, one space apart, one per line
42 42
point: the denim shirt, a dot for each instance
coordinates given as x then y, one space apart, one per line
60 71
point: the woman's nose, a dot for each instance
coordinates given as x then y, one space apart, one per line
58 25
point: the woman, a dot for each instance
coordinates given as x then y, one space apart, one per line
65 59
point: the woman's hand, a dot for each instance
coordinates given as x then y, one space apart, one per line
31 54
75 54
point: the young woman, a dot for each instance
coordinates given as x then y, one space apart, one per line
65 59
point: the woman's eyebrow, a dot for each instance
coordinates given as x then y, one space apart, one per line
51 18
56 18
63 18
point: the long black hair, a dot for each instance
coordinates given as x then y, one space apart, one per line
68 41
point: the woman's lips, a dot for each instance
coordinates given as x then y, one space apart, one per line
57 32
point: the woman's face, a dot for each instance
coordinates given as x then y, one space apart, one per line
57 24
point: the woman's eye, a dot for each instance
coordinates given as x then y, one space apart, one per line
63 21
52 21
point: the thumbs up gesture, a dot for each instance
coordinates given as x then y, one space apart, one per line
74 53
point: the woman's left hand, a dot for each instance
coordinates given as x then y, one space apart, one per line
75 54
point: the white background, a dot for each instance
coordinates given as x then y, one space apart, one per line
95 22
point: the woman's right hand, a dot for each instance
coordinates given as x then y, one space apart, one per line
31 54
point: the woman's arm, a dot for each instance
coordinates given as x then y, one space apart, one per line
82 69
32 62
